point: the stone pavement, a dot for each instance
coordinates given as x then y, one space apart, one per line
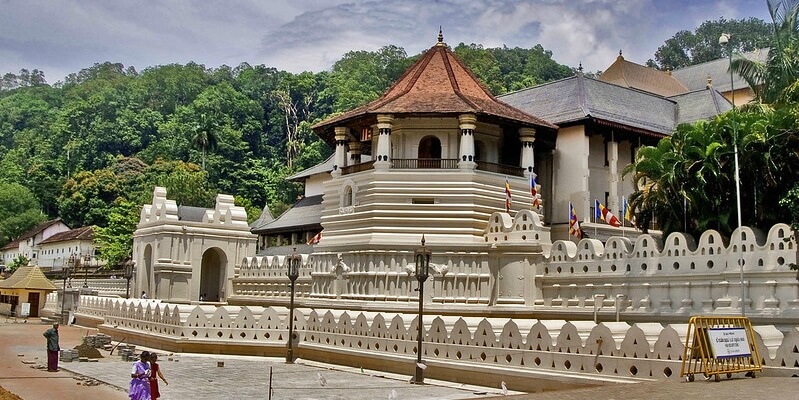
198 377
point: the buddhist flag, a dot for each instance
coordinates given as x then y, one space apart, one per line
605 214
507 196
316 239
627 212
534 192
574 223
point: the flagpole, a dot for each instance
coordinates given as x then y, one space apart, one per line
623 215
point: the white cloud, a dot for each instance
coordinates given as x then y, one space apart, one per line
296 35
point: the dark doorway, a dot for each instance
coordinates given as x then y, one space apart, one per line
429 152
33 299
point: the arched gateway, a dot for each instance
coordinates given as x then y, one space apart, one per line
183 252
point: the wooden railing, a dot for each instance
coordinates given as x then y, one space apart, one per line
434 163
424 163
351 169
500 168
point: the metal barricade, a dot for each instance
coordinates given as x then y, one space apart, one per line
720 345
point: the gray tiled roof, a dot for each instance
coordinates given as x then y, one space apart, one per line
191 214
579 97
306 212
700 104
324 166
695 77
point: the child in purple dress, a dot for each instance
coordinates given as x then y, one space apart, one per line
140 378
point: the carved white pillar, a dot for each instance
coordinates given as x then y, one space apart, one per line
613 176
355 153
466 157
384 124
340 159
527 137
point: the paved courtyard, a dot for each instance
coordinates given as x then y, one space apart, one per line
200 377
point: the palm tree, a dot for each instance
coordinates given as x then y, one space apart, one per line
776 80
205 136
684 180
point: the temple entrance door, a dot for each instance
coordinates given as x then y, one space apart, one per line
429 154
212 275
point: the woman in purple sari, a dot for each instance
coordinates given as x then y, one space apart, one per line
140 378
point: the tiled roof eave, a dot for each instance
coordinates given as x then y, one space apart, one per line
645 132
287 229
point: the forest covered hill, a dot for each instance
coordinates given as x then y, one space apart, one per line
93 146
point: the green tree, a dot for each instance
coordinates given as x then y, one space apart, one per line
88 196
186 183
19 261
776 80
204 136
362 76
115 241
688 178
19 211
689 48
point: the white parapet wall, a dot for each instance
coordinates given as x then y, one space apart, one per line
583 350
640 277
676 276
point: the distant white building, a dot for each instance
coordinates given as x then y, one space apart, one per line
27 245
72 248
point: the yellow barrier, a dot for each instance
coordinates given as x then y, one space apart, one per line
720 345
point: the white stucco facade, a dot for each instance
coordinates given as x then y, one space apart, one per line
181 260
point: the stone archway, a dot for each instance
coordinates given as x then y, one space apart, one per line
213 275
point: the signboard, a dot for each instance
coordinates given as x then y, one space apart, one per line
25 310
729 342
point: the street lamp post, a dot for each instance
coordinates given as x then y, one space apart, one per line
422 272
724 39
64 314
128 275
293 262
86 263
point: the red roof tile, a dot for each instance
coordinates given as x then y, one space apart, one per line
82 233
438 83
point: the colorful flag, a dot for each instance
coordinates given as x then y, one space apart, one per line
316 239
627 212
507 196
605 214
534 192
574 223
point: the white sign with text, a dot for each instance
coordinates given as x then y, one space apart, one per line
729 342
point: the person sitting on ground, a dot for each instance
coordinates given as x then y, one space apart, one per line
140 378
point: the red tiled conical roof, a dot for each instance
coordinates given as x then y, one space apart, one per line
438 83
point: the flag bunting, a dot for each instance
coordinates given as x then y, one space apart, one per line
507 196
574 223
316 239
603 213
534 192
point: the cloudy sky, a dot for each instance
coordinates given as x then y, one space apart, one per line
60 37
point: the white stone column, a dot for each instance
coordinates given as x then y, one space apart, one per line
340 159
527 137
355 153
384 124
466 157
613 177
